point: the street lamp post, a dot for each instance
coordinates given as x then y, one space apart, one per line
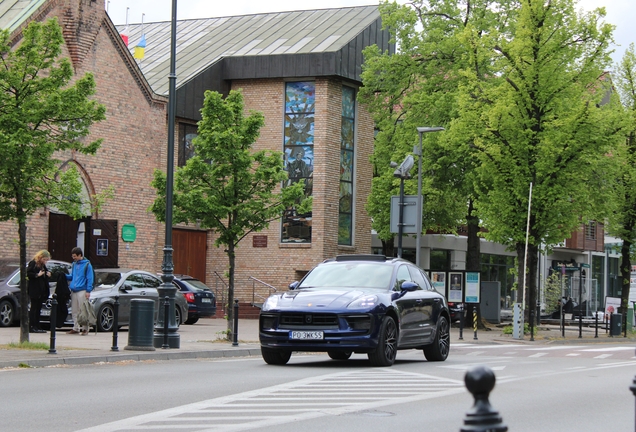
167 289
402 172
420 204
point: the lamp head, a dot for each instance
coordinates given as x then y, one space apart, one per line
403 170
430 129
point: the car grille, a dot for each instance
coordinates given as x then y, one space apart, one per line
308 320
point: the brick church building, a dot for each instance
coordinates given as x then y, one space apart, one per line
300 69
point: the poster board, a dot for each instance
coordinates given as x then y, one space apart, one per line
438 280
472 287
455 287
611 305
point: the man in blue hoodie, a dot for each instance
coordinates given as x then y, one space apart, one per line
81 285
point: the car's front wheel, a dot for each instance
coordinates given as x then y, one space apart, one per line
177 316
7 313
105 318
275 356
384 354
439 349
339 355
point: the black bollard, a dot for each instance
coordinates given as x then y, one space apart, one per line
461 323
633 389
596 324
115 324
480 381
166 321
531 324
235 329
53 321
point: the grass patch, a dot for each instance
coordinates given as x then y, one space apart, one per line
507 330
27 346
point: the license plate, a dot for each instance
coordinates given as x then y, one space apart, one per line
306 335
206 300
45 312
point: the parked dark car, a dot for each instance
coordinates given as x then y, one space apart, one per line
357 304
201 300
127 285
456 309
10 287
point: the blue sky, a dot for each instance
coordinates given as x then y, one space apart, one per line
621 13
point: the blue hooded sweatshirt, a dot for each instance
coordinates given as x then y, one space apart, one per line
81 276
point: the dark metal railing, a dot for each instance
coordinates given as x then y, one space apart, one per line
270 289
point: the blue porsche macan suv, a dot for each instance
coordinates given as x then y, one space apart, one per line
357 304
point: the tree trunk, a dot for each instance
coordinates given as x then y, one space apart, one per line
626 272
531 267
230 293
473 263
388 247
24 295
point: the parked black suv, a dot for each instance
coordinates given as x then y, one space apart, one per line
201 300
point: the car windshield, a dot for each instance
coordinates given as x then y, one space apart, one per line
105 278
195 285
349 275
6 269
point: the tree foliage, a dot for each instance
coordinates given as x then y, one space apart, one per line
546 116
622 222
227 186
41 113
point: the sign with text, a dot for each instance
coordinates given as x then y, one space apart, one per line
259 241
472 287
455 288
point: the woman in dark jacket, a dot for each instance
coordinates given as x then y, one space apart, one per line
38 285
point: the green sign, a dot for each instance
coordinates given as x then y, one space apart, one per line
584 265
128 232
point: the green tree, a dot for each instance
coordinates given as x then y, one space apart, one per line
227 186
541 118
41 113
622 222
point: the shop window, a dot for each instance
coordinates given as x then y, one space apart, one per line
347 141
187 133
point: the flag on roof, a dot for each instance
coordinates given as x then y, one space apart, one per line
124 35
140 48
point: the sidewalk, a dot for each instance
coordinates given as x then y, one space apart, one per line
205 339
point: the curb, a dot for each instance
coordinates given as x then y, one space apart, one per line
141 356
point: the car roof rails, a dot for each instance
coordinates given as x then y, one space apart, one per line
362 257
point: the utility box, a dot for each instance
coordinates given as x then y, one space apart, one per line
616 321
491 302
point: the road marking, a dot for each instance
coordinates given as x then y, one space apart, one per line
538 355
619 348
304 399
475 353
554 348
573 354
603 356
484 346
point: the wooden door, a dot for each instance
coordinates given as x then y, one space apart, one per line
189 254
102 243
63 235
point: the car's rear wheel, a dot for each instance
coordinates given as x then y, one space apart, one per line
7 313
439 349
191 321
275 356
339 355
384 354
105 318
177 316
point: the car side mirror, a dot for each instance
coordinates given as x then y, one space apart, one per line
126 287
293 285
409 286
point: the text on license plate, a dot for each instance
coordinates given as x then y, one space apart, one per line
206 300
45 312
294 334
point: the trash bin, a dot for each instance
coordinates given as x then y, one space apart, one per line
140 330
616 321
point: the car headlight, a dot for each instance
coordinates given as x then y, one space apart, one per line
270 303
364 302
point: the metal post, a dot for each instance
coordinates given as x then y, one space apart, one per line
633 389
420 204
401 218
461 322
53 321
596 324
167 267
531 324
115 324
475 321
580 302
235 330
166 311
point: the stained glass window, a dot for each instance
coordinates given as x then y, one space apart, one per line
347 140
300 102
187 133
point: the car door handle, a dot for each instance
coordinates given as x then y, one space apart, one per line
143 293
418 301
436 300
